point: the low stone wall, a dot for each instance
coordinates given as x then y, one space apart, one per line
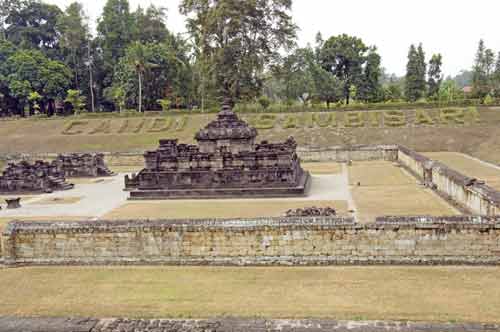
333 153
17 324
347 153
278 241
473 196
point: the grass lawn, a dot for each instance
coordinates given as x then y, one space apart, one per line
35 135
365 293
323 167
216 209
387 190
469 167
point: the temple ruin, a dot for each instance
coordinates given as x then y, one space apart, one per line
38 177
225 163
83 165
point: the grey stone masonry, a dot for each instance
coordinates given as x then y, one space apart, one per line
419 240
12 324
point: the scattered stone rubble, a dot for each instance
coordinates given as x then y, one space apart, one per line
311 212
83 165
38 177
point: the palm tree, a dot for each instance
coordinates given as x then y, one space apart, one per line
138 55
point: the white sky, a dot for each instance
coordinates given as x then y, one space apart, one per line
450 27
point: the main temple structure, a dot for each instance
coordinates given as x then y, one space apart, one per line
226 163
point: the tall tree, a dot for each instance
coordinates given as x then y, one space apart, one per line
239 38
150 24
480 72
415 83
74 41
370 89
149 72
33 24
115 32
296 76
344 56
496 77
435 76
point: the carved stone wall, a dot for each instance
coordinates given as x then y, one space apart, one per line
278 241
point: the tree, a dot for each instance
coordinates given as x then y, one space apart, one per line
496 78
115 33
328 88
370 89
76 100
239 38
344 57
116 95
480 71
150 25
149 72
137 55
435 76
449 91
415 86
74 41
296 76
28 71
33 24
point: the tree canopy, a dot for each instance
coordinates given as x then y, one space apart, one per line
239 38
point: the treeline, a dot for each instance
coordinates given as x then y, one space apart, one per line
50 62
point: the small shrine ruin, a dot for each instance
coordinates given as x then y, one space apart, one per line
83 165
37 177
226 163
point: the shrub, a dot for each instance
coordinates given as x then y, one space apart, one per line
455 115
265 121
488 100
76 100
165 104
69 128
394 118
264 102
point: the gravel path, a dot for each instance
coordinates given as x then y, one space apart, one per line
97 200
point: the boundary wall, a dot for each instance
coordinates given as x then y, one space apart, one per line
471 195
245 242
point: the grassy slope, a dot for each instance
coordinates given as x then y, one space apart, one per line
369 293
480 140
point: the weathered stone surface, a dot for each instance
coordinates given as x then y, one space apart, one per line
15 324
274 241
467 194
82 165
225 163
25 177
12 324
311 212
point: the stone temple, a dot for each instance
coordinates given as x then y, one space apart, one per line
225 163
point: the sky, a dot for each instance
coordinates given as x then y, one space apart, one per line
450 27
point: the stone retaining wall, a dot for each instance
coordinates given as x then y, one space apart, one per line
470 194
15 324
278 241
332 153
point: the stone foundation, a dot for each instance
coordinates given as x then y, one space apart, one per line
278 241
14 324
